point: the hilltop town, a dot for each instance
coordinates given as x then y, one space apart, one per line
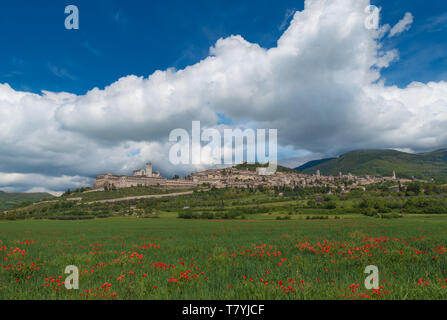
243 176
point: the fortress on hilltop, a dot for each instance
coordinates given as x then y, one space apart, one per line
140 178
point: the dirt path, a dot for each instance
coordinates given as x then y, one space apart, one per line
174 194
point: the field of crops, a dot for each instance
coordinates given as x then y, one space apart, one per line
169 258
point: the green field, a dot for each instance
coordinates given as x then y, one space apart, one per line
255 258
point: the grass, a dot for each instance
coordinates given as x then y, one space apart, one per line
169 258
122 193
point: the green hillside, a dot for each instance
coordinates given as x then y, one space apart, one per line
382 162
253 166
9 200
314 163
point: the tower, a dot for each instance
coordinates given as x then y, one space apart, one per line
394 175
148 169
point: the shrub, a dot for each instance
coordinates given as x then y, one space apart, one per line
283 218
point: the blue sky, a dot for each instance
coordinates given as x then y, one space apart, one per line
118 38
423 49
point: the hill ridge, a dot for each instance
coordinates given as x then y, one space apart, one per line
383 162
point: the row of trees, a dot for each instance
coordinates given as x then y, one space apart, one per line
411 205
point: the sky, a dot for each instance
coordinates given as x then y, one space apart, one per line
77 103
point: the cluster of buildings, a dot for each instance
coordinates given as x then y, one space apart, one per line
232 177
245 178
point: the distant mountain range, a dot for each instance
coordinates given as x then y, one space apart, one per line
8 200
382 162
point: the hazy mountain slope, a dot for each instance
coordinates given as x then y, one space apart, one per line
383 162
8 200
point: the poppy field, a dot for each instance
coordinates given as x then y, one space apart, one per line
168 258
